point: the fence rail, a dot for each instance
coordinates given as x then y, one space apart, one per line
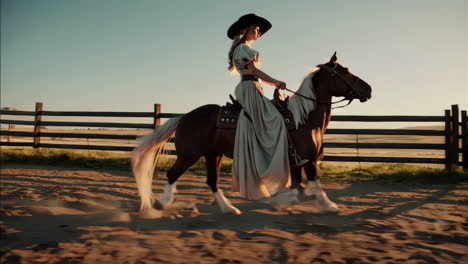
353 118
387 132
455 133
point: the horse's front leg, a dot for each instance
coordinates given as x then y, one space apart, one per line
296 178
314 188
213 166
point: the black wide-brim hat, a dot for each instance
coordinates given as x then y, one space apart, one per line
247 20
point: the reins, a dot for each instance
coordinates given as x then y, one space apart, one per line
341 106
306 97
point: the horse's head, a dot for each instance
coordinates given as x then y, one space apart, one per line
341 82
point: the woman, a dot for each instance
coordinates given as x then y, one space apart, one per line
260 162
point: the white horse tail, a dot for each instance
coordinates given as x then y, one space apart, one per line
144 159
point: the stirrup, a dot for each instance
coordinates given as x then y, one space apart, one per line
300 163
296 161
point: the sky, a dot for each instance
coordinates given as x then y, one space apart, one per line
113 55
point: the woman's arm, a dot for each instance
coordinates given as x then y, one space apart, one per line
265 77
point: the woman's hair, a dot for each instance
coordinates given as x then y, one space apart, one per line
238 39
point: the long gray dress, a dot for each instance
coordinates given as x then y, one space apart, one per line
260 162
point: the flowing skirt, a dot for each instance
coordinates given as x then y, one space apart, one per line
260 162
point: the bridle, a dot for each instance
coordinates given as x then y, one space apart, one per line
351 91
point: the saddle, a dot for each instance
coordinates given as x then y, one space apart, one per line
228 115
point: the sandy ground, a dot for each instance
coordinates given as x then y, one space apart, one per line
68 215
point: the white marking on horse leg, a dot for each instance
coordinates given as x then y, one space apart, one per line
315 188
283 199
224 204
168 195
311 188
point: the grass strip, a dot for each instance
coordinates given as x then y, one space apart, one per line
388 173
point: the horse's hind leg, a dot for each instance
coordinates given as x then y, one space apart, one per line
213 166
315 188
180 166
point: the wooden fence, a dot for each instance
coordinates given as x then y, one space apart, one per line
455 133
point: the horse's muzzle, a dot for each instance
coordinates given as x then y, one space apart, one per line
364 91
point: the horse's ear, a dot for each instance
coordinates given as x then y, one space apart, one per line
333 59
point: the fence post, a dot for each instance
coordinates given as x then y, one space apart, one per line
157 112
455 135
37 125
9 130
448 140
464 128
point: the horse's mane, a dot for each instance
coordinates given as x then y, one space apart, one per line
300 106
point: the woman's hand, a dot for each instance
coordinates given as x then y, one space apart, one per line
280 85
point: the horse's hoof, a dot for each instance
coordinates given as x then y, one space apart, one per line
160 206
302 197
234 211
151 214
224 204
308 192
165 202
330 208
284 199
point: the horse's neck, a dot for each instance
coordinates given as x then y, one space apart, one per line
320 117
312 114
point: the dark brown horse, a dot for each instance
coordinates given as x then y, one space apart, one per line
198 136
